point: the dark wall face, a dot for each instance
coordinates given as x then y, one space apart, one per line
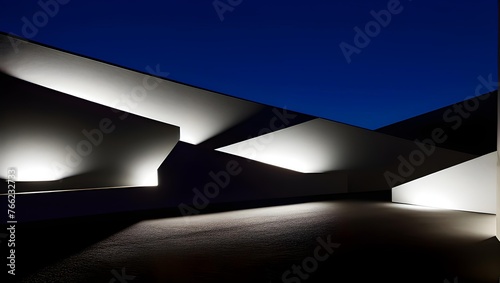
40 120
192 178
470 125
47 135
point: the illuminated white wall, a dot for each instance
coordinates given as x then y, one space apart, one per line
199 113
498 194
469 186
498 166
60 142
319 146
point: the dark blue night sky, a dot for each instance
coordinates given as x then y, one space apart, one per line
286 53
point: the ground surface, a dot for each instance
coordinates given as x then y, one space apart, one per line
331 241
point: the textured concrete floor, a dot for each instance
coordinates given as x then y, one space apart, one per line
369 242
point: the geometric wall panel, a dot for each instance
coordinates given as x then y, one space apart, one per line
200 114
468 186
60 142
319 146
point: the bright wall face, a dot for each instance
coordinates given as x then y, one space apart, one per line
57 142
498 171
498 158
469 186
200 114
498 198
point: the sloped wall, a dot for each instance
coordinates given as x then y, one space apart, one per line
469 186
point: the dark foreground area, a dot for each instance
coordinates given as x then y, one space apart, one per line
321 241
